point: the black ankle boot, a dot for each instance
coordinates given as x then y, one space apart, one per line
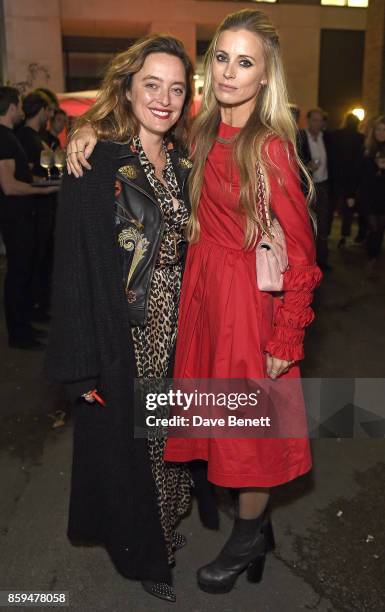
246 548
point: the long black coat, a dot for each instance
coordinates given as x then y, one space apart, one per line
346 152
371 191
113 495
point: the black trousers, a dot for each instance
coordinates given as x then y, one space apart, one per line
17 225
323 207
43 257
347 215
375 235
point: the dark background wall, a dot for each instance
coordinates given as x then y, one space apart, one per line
340 70
3 75
86 59
340 74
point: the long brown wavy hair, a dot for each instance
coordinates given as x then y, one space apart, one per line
271 115
111 116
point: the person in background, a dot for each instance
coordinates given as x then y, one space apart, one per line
313 148
53 104
325 125
17 224
36 110
347 149
196 103
58 123
372 191
296 112
52 98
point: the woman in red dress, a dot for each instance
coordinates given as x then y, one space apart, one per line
227 327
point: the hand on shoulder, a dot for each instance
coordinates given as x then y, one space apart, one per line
79 149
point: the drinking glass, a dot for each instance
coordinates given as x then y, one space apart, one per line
46 161
60 160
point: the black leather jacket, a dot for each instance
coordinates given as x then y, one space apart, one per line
139 226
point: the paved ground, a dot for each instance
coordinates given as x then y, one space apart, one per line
325 559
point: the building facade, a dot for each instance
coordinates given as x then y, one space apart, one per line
65 44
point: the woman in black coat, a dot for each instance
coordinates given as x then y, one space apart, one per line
118 268
346 156
372 191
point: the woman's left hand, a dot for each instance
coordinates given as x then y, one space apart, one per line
275 366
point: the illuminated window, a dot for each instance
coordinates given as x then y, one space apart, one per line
358 3
361 3
264 1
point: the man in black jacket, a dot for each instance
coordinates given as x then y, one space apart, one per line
36 110
314 151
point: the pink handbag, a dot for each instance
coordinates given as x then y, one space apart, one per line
271 253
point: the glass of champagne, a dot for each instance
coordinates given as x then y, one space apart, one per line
46 161
60 160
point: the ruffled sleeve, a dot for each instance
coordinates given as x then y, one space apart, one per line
293 313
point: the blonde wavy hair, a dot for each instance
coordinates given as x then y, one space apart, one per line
111 116
271 114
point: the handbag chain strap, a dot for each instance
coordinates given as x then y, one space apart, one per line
261 188
261 195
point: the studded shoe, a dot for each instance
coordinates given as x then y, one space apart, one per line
161 590
178 540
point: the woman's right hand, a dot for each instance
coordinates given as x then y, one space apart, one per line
275 366
79 149
93 396
89 396
313 165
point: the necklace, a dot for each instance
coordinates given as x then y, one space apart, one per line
222 140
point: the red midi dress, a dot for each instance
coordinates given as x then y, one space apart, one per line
226 325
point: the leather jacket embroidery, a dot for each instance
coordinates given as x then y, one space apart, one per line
142 230
132 239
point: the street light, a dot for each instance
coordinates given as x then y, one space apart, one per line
359 113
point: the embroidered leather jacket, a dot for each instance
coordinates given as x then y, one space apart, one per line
140 226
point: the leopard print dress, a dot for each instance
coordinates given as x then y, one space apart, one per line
155 341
